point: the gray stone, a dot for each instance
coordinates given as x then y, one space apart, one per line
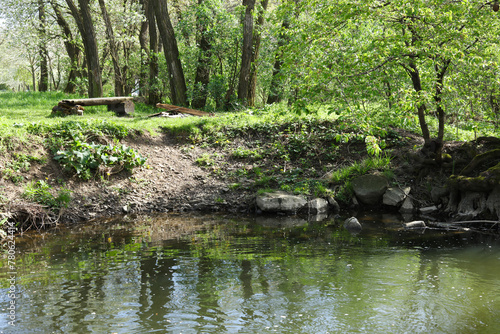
407 206
334 205
280 201
317 205
369 189
428 210
352 225
395 196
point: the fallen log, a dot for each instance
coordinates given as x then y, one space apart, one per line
183 110
99 101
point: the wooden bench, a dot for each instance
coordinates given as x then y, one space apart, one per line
121 105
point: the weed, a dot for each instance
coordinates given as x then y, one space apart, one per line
205 160
40 192
361 168
241 153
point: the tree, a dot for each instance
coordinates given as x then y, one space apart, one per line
204 40
113 50
246 53
72 49
177 81
85 25
257 36
43 85
346 50
149 44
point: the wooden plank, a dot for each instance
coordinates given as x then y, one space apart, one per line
182 110
99 101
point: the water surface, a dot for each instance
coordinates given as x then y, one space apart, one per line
224 274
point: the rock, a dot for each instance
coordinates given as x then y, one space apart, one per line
280 201
407 206
428 210
395 196
352 225
415 224
437 194
334 205
317 206
369 189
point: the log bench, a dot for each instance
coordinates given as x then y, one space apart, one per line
121 105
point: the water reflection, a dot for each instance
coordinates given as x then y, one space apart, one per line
217 274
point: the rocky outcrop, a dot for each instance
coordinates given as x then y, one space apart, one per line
370 188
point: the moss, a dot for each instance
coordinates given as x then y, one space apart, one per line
486 181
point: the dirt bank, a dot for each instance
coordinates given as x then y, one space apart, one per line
176 179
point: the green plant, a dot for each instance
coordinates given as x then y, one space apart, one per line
205 160
40 192
241 153
89 159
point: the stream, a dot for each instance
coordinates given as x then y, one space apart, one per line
229 274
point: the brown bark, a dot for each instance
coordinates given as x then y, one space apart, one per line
113 51
177 81
246 55
154 95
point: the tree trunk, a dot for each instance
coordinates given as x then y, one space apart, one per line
177 81
257 37
43 85
246 55
440 74
203 67
72 50
154 95
85 25
421 108
113 50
